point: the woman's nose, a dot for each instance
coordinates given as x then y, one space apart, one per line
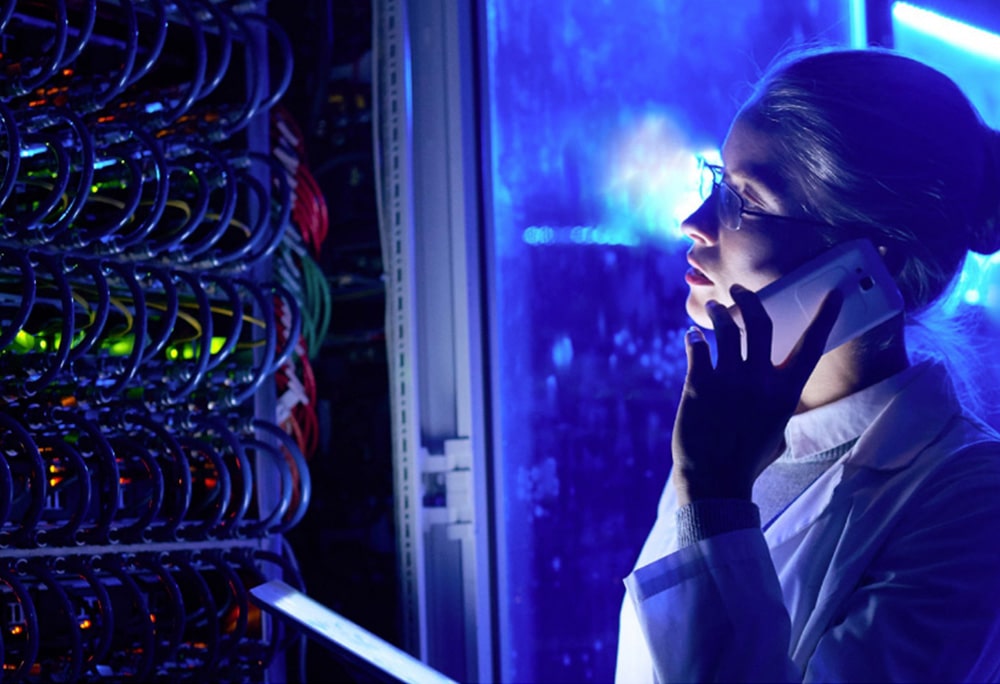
702 226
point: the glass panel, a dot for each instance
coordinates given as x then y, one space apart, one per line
596 116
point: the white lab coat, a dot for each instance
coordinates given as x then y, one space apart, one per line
887 568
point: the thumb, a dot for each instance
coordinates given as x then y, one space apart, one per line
699 357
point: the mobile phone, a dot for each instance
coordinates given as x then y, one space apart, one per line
871 297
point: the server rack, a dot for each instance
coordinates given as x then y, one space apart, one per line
150 350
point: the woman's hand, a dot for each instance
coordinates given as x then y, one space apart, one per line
732 417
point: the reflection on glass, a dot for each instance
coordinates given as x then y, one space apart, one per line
598 111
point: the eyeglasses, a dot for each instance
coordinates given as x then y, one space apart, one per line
729 206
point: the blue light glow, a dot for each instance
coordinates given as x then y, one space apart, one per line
970 56
956 33
859 24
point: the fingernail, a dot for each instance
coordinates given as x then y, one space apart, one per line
693 334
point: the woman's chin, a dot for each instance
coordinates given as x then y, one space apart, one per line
697 312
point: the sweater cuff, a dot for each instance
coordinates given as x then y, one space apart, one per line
706 518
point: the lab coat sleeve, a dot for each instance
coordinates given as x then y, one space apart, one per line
713 612
925 607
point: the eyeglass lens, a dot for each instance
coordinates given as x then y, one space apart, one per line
729 205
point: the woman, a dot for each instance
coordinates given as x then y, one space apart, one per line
836 518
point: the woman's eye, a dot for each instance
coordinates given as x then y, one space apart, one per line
751 201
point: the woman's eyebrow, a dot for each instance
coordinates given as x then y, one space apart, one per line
764 178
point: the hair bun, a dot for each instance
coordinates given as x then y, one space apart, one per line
984 235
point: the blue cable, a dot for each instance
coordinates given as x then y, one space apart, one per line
180 478
251 104
226 50
23 224
279 222
84 234
128 62
28 610
127 273
238 598
39 569
236 256
128 451
86 30
241 462
287 58
169 642
167 320
82 568
101 309
5 13
160 19
107 493
26 85
13 145
38 484
98 653
205 618
6 491
28 289
197 373
59 447
54 265
221 494
301 470
266 365
85 170
294 328
166 245
146 638
236 306
227 184
118 243
193 91
265 524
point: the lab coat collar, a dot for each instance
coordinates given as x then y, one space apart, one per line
909 422
813 433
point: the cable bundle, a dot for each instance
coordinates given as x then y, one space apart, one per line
297 270
142 314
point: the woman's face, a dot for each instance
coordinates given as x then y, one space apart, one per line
762 249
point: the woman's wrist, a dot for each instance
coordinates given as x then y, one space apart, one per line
692 489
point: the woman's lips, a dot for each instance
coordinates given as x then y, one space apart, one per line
695 276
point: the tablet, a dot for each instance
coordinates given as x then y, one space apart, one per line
377 657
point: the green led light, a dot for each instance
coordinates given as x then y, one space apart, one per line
188 351
121 347
24 341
